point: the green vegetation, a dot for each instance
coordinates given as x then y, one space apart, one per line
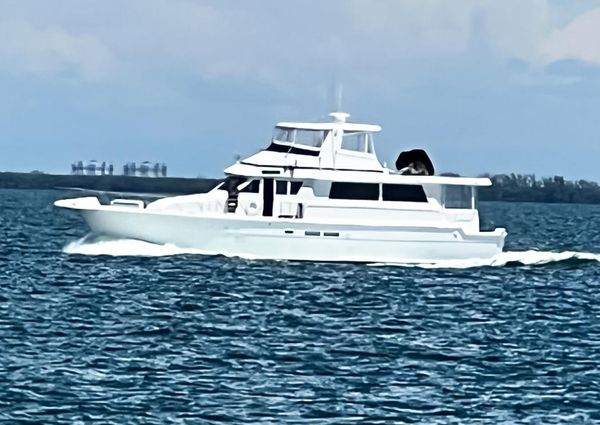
506 187
526 188
162 185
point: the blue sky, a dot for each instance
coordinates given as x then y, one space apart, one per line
484 86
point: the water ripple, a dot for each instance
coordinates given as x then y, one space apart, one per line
193 339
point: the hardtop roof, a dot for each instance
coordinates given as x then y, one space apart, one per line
346 126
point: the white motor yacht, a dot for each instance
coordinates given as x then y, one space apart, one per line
316 193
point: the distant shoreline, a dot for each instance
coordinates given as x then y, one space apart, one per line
149 185
517 188
551 190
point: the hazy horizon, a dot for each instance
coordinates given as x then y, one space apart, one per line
482 86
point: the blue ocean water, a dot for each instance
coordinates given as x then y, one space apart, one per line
180 339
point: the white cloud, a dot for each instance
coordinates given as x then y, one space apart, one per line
430 28
281 43
51 50
414 28
579 40
515 28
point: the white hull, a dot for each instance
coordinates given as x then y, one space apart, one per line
262 238
316 193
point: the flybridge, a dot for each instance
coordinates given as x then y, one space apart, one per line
339 150
337 144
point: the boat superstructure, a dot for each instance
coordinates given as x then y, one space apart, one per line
317 193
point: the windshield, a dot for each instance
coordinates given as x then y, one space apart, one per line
358 141
297 136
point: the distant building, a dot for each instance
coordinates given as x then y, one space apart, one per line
91 168
145 169
97 168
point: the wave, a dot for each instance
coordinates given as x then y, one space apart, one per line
508 258
103 245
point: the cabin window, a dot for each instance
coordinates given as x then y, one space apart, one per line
403 193
354 142
362 191
281 187
284 135
358 142
458 197
299 136
252 187
312 138
295 187
232 182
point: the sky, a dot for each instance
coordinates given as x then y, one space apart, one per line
482 85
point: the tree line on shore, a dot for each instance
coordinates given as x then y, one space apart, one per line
528 188
506 187
150 185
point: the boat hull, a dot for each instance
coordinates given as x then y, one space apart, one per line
261 238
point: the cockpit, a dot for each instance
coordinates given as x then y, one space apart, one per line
318 145
299 136
297 140
309 141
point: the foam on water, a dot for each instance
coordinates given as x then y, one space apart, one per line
524 258
101 245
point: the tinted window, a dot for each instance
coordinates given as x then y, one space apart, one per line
277 147
355 142
312 138
365 191
295 187
232 182
253 187
283 135
403 193
457 197
281 187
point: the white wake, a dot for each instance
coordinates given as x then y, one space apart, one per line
100 245
524 258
